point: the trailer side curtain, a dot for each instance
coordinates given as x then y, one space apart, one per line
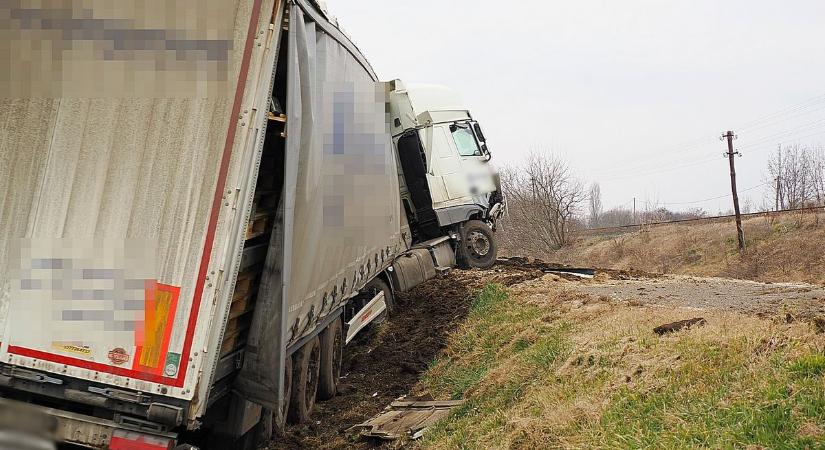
341 207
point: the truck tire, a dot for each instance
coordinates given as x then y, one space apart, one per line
305 365
279 420
478 248
273 424
372 289
332 351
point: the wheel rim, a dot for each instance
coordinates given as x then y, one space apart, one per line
478 244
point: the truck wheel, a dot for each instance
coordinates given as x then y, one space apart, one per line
307 361
478 248
332 350
272 423
372 289
279 420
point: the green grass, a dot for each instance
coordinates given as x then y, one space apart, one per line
499 355
536 383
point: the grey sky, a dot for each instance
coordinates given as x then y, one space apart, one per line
634 93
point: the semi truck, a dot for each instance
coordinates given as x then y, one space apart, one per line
195 264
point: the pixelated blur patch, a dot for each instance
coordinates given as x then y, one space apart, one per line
357 162
80 297
99 48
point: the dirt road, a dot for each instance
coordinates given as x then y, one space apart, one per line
387 363
803 301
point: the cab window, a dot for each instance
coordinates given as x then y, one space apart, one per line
465 140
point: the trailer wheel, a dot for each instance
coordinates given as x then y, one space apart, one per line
332 351
478 248
272 423
279 420
372 289
307 361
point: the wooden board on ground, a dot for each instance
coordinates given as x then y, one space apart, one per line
408 419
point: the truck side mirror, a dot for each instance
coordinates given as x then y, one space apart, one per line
486 152
479 133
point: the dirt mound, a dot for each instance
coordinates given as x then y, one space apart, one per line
386 362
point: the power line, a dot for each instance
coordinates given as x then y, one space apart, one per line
790 109
756 124
714 198
703 200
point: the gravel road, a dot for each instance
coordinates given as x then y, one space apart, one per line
761 299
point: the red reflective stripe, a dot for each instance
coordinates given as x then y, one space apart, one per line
218 198
91 365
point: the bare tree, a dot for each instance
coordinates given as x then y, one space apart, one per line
795 174
543 200
595 199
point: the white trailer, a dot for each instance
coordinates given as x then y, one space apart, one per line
170 264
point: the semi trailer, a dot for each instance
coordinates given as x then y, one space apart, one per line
200 262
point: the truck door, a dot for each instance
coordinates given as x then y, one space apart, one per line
475 176
446 178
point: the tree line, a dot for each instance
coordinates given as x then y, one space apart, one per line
547 202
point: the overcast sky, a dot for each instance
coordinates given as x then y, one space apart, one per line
633 94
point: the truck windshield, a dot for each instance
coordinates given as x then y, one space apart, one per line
465 140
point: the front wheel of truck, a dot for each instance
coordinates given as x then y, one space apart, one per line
306 364
478 248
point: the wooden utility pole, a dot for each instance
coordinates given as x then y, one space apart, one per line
731 154
778 186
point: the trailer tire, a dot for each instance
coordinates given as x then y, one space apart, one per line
273 424
279 420
307 361
372 289
332 351
478 248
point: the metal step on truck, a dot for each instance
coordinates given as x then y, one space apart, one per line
194 263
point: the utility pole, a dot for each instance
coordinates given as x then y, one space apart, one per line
634 211
778 185
731 154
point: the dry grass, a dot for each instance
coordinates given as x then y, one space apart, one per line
786 248
546 367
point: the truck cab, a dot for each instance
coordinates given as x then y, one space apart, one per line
445 174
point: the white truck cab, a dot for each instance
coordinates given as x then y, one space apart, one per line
445 172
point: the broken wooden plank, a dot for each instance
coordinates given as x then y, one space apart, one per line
406 419
676 326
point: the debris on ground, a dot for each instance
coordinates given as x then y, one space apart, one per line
819 324
406 419
676 326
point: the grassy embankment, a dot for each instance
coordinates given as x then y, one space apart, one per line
790 247
544 367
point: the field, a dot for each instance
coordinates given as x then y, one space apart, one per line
549 365
786 247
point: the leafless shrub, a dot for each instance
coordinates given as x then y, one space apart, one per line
543 200
796 174
595 204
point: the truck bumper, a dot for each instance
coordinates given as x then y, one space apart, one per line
42 427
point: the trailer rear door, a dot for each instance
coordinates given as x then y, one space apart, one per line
111 204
